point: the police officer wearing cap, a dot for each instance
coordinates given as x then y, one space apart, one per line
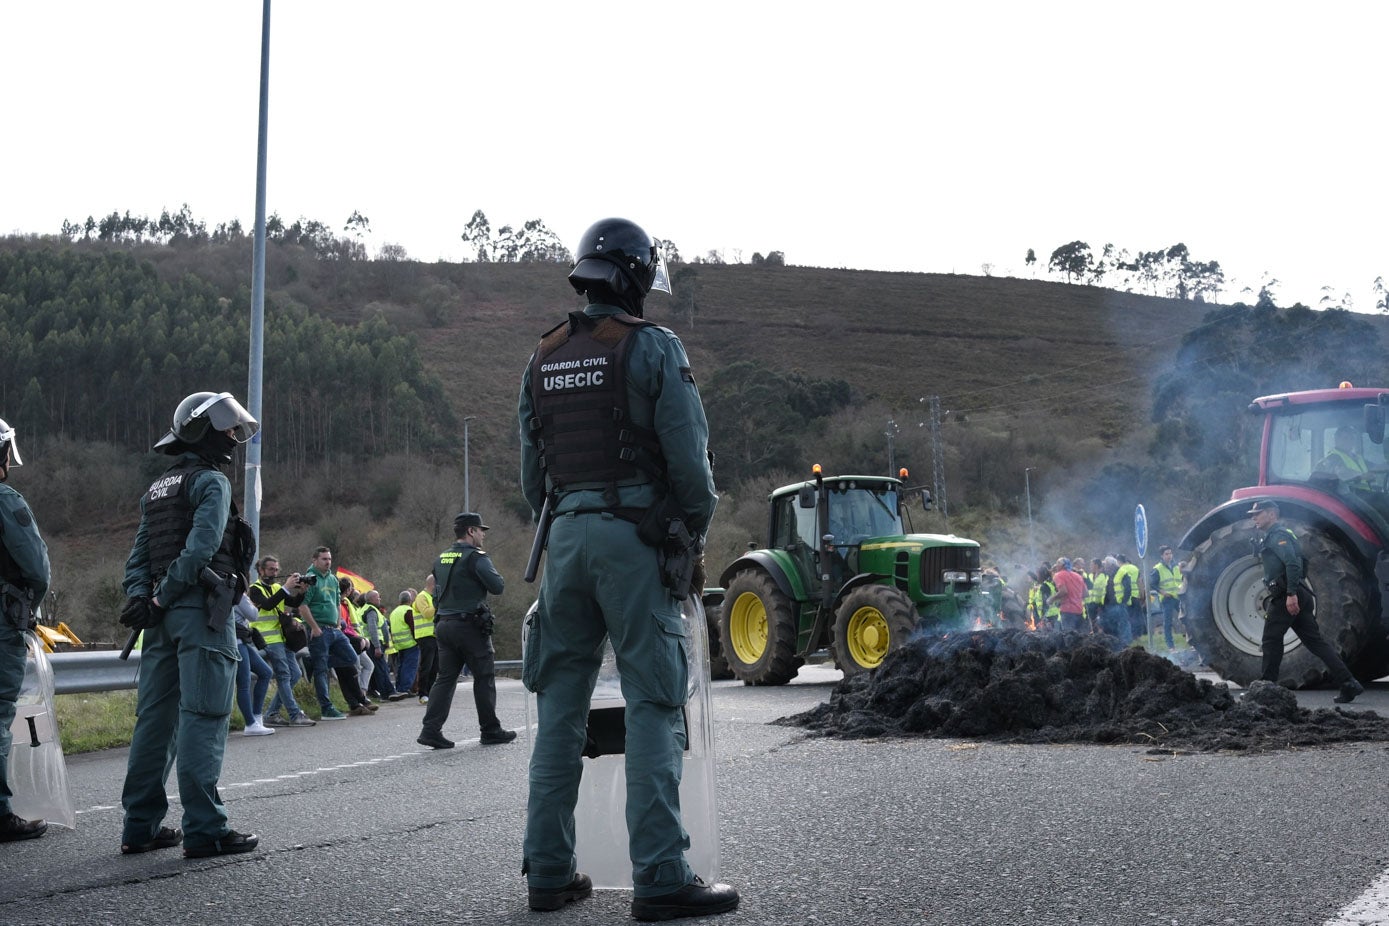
1290 604
189 534
24 577
612 429
463 578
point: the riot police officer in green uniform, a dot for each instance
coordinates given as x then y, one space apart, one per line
1290 604
463 578
190 543
615 449
24 580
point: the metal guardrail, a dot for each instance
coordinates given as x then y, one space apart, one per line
85 671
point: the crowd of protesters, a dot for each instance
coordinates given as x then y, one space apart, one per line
1096 595
322 624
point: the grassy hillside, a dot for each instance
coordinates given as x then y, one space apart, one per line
1046 376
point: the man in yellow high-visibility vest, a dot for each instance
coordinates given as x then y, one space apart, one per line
1166 580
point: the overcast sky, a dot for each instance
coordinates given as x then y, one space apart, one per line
892 136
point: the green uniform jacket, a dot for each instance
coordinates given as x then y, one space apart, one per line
662 396
210 494
26 548
1281 556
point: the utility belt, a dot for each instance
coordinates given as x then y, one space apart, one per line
663 527
481 613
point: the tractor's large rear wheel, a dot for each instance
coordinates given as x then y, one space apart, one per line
757 630
1226 596
872 621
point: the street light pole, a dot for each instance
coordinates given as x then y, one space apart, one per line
255 373
1027 487
467 496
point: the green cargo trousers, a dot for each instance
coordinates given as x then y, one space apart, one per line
13 657
187 680
601 581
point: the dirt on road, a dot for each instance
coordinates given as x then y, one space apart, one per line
1022 687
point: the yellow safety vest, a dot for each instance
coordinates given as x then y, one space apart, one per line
401 638
1355 466
424 615
1094 591
1135 593
1053 610
1101 587
1169 579
354 614
268 623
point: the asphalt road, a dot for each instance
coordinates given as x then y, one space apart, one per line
359 825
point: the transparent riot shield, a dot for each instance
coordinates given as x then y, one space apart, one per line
38 772
600 819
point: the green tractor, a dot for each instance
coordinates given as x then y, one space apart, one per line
840 571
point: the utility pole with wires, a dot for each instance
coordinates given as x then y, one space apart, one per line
891 433
938 460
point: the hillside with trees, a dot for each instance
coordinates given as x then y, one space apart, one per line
373 367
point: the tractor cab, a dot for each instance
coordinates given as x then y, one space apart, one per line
1328 446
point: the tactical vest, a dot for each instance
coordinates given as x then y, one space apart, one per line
456 566
401 638
1169 579
268 622
582 426
169 519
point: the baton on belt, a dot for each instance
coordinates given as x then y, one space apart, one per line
542 537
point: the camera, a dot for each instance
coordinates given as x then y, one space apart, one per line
307 578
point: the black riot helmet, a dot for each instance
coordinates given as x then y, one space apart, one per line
200 423
619 262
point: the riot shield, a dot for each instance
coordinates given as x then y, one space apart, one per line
38 772
600 820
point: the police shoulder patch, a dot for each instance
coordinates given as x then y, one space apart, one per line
687 374
24 516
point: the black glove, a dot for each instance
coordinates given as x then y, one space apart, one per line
140 614
137 614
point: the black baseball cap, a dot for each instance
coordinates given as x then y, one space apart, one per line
466 519
1262 505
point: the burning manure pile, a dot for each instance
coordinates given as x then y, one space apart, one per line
1021 687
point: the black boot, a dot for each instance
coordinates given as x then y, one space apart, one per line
231 844
1349 689
552 898
694 899
14 827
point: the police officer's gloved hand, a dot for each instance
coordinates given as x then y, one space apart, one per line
136 613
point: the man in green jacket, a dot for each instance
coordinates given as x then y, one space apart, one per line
24 578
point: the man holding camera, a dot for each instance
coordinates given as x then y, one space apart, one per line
275 605
463 578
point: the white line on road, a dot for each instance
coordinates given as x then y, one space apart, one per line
1369 909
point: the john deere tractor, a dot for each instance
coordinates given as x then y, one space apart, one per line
839 570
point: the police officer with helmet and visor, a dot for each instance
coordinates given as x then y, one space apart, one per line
614 457
24 578
189 561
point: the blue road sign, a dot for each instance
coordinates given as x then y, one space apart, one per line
1140 530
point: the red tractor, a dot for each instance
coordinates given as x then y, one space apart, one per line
1341 518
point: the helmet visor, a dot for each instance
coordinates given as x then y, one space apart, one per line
7 440
226 414
660 280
